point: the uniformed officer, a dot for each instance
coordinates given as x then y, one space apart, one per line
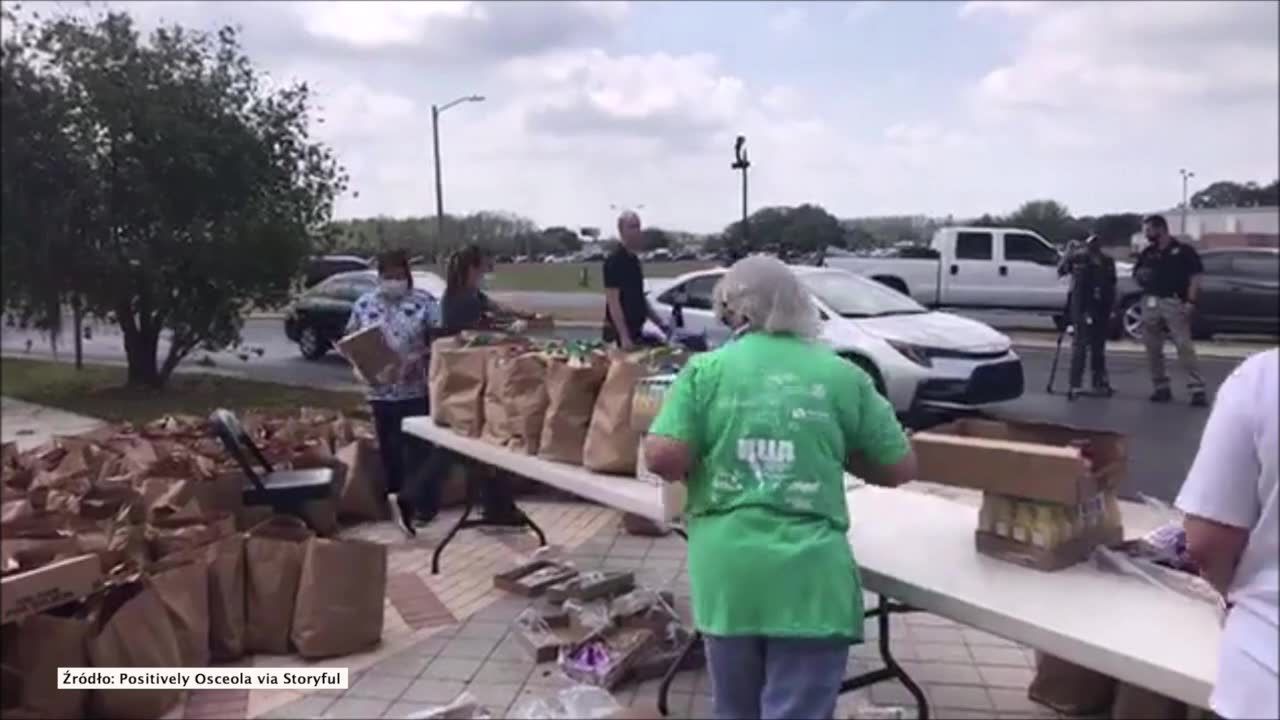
1093 293
1168 271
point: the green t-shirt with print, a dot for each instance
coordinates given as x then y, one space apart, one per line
770 421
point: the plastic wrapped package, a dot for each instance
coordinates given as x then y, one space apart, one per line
577 701
463 707
592 614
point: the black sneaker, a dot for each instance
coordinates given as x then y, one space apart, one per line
1199 399
423 519
404 517
1072 394
1163 395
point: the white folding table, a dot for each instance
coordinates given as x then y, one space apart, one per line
918 550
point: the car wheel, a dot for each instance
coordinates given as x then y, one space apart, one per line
894 283
311 344
1131 319
870 369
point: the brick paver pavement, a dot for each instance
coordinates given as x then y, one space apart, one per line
449 633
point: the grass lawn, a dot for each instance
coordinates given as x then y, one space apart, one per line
99 391
545 277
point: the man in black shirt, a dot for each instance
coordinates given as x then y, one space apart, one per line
1168 271
626 307
1089 303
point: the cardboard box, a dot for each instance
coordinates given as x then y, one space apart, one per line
544 644
1038 461
57 583
368 350
532 578
1047 536
593 585
604 657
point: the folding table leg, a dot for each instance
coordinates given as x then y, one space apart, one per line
664 689
542 538
462 523
884 609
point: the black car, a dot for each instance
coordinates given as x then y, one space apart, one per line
318 317
1239 293
321 268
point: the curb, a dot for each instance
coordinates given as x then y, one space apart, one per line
1123 347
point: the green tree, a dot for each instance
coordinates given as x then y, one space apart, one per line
654 238
786 229
1049 218
212 192
1225 194
47 197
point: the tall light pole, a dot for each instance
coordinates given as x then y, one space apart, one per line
740 162
1186 175
435 142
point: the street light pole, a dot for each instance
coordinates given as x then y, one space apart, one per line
740 162
435 144
1186 175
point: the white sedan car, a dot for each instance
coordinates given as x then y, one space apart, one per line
916 357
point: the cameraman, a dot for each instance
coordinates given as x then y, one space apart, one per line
1089 303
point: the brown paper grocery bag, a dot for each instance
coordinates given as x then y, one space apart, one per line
1069 688
526 401
340 598
456 378
572 388
182 584
226 597
37 647
178 530
132 630
273 552
363 492
611 445
497 427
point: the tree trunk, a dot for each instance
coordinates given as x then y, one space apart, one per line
77 326
140 349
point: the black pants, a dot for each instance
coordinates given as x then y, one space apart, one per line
496 497
1090 340
403 456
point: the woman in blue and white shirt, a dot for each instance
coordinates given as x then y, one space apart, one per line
406 316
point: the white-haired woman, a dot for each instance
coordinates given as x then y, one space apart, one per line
762 431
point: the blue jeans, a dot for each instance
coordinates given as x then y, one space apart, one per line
773 678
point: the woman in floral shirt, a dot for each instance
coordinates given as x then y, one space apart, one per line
406 316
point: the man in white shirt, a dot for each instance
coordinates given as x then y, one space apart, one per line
1233 533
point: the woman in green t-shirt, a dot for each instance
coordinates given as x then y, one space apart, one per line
762 430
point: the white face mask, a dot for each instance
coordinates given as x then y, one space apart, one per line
394 288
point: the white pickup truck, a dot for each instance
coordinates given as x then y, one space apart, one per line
971 267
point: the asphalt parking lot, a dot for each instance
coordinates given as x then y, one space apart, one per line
1163 438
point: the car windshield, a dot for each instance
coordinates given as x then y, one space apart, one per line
851 296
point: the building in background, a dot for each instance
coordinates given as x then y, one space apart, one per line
1222 227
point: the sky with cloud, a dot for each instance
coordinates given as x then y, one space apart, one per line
867 108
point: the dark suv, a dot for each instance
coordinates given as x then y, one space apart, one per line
318 317
1238 294
320 268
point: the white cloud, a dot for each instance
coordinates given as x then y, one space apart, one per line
1135 56
790 19
861 10
590 105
